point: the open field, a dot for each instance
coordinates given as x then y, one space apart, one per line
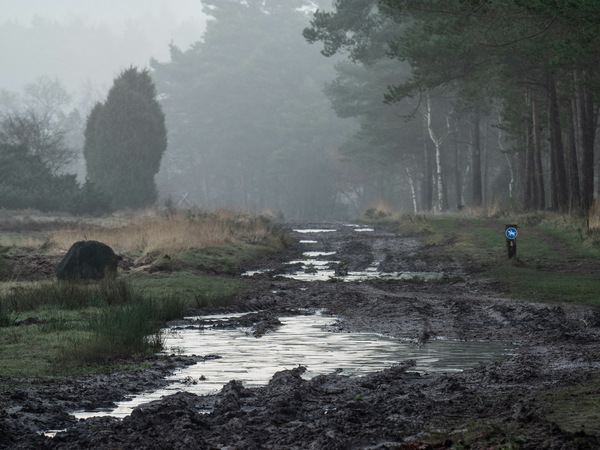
170 263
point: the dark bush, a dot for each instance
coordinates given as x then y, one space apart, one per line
27 182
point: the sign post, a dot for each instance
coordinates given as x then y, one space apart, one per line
510 231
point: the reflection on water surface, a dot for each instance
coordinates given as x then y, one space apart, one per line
302 340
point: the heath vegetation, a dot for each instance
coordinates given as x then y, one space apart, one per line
176 261
558 255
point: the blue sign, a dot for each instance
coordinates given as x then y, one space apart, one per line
511 233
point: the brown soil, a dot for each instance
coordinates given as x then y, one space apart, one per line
506 403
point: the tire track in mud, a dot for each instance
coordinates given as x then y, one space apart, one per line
558 346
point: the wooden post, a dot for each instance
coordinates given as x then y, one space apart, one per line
510 231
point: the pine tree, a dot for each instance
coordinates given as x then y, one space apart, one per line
125 139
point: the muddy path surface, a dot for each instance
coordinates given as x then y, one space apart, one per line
424 293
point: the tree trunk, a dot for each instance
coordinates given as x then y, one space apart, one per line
538 169
558 175
457 176
509 161
475 144
442 202
530 185
427 181
439 180
413 192
573 166
485 164
586 130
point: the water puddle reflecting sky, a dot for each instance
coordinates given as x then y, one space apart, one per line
305 340
315 230
316 267
302 340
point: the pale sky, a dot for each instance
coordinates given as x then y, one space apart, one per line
90 41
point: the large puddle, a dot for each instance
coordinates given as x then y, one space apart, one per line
318 265
302 340
305 340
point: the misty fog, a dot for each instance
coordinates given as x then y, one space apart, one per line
275 105
83 42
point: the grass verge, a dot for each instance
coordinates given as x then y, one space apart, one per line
558 261
196 290
557 255
49 328
62 327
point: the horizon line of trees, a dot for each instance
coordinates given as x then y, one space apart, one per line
437 104
524 72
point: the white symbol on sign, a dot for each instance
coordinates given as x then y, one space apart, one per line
511 233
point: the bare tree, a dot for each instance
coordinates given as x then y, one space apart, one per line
39 123
438 140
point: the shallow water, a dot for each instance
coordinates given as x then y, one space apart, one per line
306 340
315 230
302 340
315 265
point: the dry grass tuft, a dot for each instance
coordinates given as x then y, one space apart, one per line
381 211
594 217
149 234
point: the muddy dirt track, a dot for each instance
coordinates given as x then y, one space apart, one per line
557 346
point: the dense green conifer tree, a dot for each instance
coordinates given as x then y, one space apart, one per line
125 139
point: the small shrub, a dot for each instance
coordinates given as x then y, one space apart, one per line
219 297
4 266
28 182
382 213
123 330
593 223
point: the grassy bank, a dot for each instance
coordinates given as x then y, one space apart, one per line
558 256
180 261
558 260
55 328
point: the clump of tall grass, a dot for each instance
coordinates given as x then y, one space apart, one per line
382 212
127 330
154 234
4 268
593 222
116 320
68 295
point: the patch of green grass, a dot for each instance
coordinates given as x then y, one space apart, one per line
543 241
484 240
4 267
573 237
576 408
224 259
534 285
532 247
440 230
45 348
195 290
78 324
121 332
68 295
25 351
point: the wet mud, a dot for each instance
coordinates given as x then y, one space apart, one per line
558 345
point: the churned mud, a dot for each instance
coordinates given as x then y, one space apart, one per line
408 291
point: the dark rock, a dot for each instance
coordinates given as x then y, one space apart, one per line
29 321
88 260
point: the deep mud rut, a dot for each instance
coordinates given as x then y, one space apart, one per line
557 346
